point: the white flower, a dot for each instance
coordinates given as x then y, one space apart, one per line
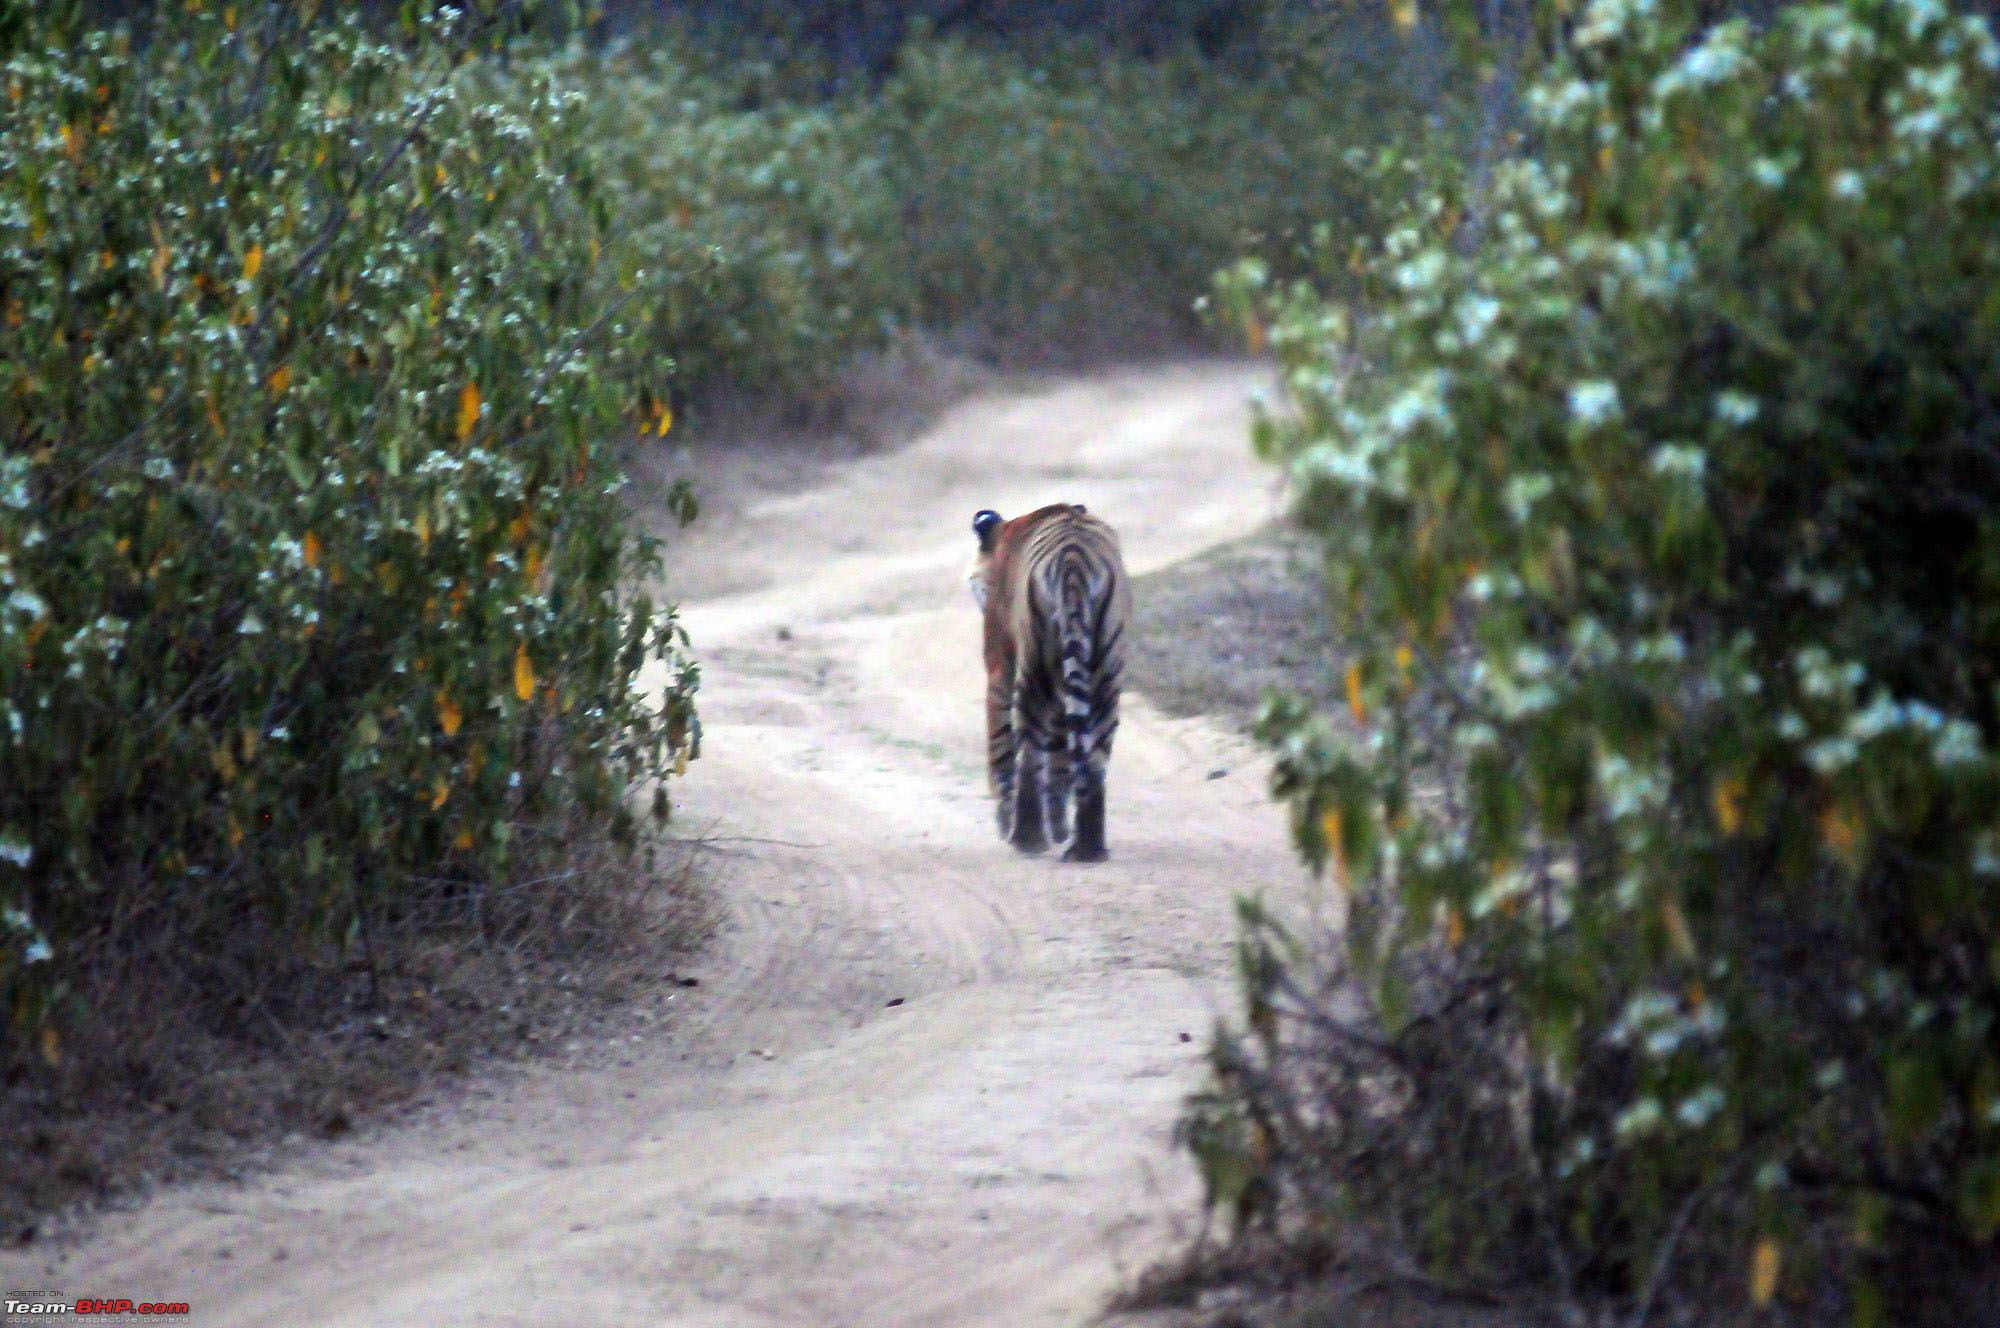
1608 19
1524 491
1642 1117
1702 1108
1421 272
1421 402
1957 745
1767 172
1476 315
1923 124
1594 402
1556 100
1688 462
1716 60
1736 408
1847 185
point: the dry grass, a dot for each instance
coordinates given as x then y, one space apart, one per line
190 1055
1212 635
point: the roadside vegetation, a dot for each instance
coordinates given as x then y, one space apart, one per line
332 703
1653 465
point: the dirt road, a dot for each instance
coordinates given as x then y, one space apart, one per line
924 1081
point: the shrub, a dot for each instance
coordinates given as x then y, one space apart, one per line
314 582
1045 198
1663 512
764 210
1072 200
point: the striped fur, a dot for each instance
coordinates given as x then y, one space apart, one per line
1056 601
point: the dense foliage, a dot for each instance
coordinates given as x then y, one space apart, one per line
314 583
1660 486
1060 204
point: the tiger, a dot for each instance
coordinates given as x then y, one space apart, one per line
1052 588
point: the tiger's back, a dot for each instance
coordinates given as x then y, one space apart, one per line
1056 601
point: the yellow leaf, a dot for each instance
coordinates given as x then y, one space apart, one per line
1764 1272
1454 927
524 674
1840 830
1677 928
253 262
464 840
440 791
72 145
1356 703
441 177
1332 825
1405 660
449 715
1728 801
281 380
313 549
666 421
468 411
51 1045
107 260
424 529
161 257
1404 12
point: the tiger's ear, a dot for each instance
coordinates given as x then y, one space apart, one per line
985 524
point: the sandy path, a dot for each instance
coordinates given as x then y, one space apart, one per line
796 1151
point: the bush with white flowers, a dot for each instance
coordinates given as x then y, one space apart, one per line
1660 489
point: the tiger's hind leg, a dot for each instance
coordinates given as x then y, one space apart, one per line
1058 791
1002 754
1027 826
1090 763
